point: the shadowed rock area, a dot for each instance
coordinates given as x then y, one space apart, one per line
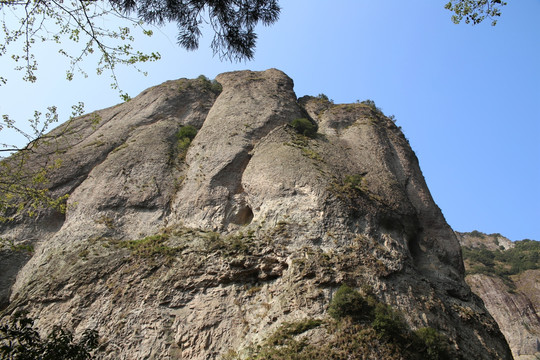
189 255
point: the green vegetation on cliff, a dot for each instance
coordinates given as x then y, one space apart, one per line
361 328
185 136
305 127
525 255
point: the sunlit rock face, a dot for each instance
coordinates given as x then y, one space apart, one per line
514 302
174 254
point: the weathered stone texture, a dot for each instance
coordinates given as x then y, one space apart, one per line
516 309
256 226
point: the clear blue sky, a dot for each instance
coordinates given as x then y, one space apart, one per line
467 97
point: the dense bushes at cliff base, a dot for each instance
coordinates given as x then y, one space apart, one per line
20 340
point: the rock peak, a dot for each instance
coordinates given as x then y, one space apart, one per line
179 247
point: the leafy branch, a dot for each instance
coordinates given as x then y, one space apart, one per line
475 11
54 21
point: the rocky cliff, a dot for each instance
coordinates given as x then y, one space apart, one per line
512 295
172 251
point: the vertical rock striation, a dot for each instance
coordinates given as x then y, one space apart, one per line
250 106
513 301
171 257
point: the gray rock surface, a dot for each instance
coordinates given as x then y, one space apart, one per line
515 313
171 257
514 303
488 241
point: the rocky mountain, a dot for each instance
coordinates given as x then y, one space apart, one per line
506 275
205 247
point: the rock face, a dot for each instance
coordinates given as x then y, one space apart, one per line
513 302
171 255
476 239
